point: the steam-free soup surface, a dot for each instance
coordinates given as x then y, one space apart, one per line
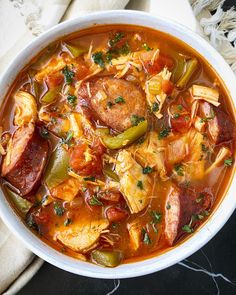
117 143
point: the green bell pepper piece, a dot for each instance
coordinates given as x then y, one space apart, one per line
57 168
191 67
110 173
107 258
125 138
50 95
75 51
21 204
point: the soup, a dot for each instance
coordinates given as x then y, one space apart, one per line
117 143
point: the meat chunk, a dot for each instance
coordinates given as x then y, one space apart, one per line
134 229
219 125
82 235
130 174
172 215
25 159
115 102
67 190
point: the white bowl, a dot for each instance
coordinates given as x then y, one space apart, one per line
215 221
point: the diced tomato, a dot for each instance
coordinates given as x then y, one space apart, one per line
167 86
78 160
158 64
181 124
97 146
115 214
81 71
110 196
54 80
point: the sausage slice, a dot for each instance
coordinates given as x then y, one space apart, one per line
116 100
25 159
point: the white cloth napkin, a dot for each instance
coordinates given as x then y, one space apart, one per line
20 22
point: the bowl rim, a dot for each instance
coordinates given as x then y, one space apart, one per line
217 219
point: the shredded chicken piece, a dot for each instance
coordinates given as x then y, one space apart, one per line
205 93
53 66
82 235
222 154
67 190
134 229
160 97
130 172
26 108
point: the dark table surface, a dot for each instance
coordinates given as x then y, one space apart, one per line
211 270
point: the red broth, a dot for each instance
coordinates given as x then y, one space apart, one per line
117 143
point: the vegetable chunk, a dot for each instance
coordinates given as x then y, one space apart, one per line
82 235
130 172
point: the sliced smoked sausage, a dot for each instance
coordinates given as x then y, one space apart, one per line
25 159
115 102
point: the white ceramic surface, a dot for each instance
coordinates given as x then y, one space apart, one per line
216 220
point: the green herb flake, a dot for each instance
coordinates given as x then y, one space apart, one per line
180 107
200 198
44 132
168 206
179 169
98 59
156 216
58 209
110 104
71 99
187 118
68 138
228 162
187 228
140 184
67 222
164 133
119 99
212 116
89 178
117 37
146 238
135 120
147 170
94 201
205 149
146 47
176 115
155 107
68 74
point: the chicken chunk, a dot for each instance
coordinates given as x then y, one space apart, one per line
26 108
172 215
130 174
115 102
134 229
67 190
81 236
25 159
177 150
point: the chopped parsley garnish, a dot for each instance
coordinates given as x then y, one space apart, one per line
212 116
228 162
94 201
31 222
110 104
119 99
117 37
187 183
187 118
68 138
68 75
204 148
67 222
168 206
179 169
135 120
44 132
89 178
71 100
176 115
147 170
156 217
58 209
180 107
187 228
140 184
54 120
164 133
155 107
146 238
200 198
146 47
98 59
125 49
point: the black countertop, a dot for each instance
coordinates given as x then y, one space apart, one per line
211 270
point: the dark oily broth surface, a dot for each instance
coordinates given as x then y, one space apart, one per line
102 191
